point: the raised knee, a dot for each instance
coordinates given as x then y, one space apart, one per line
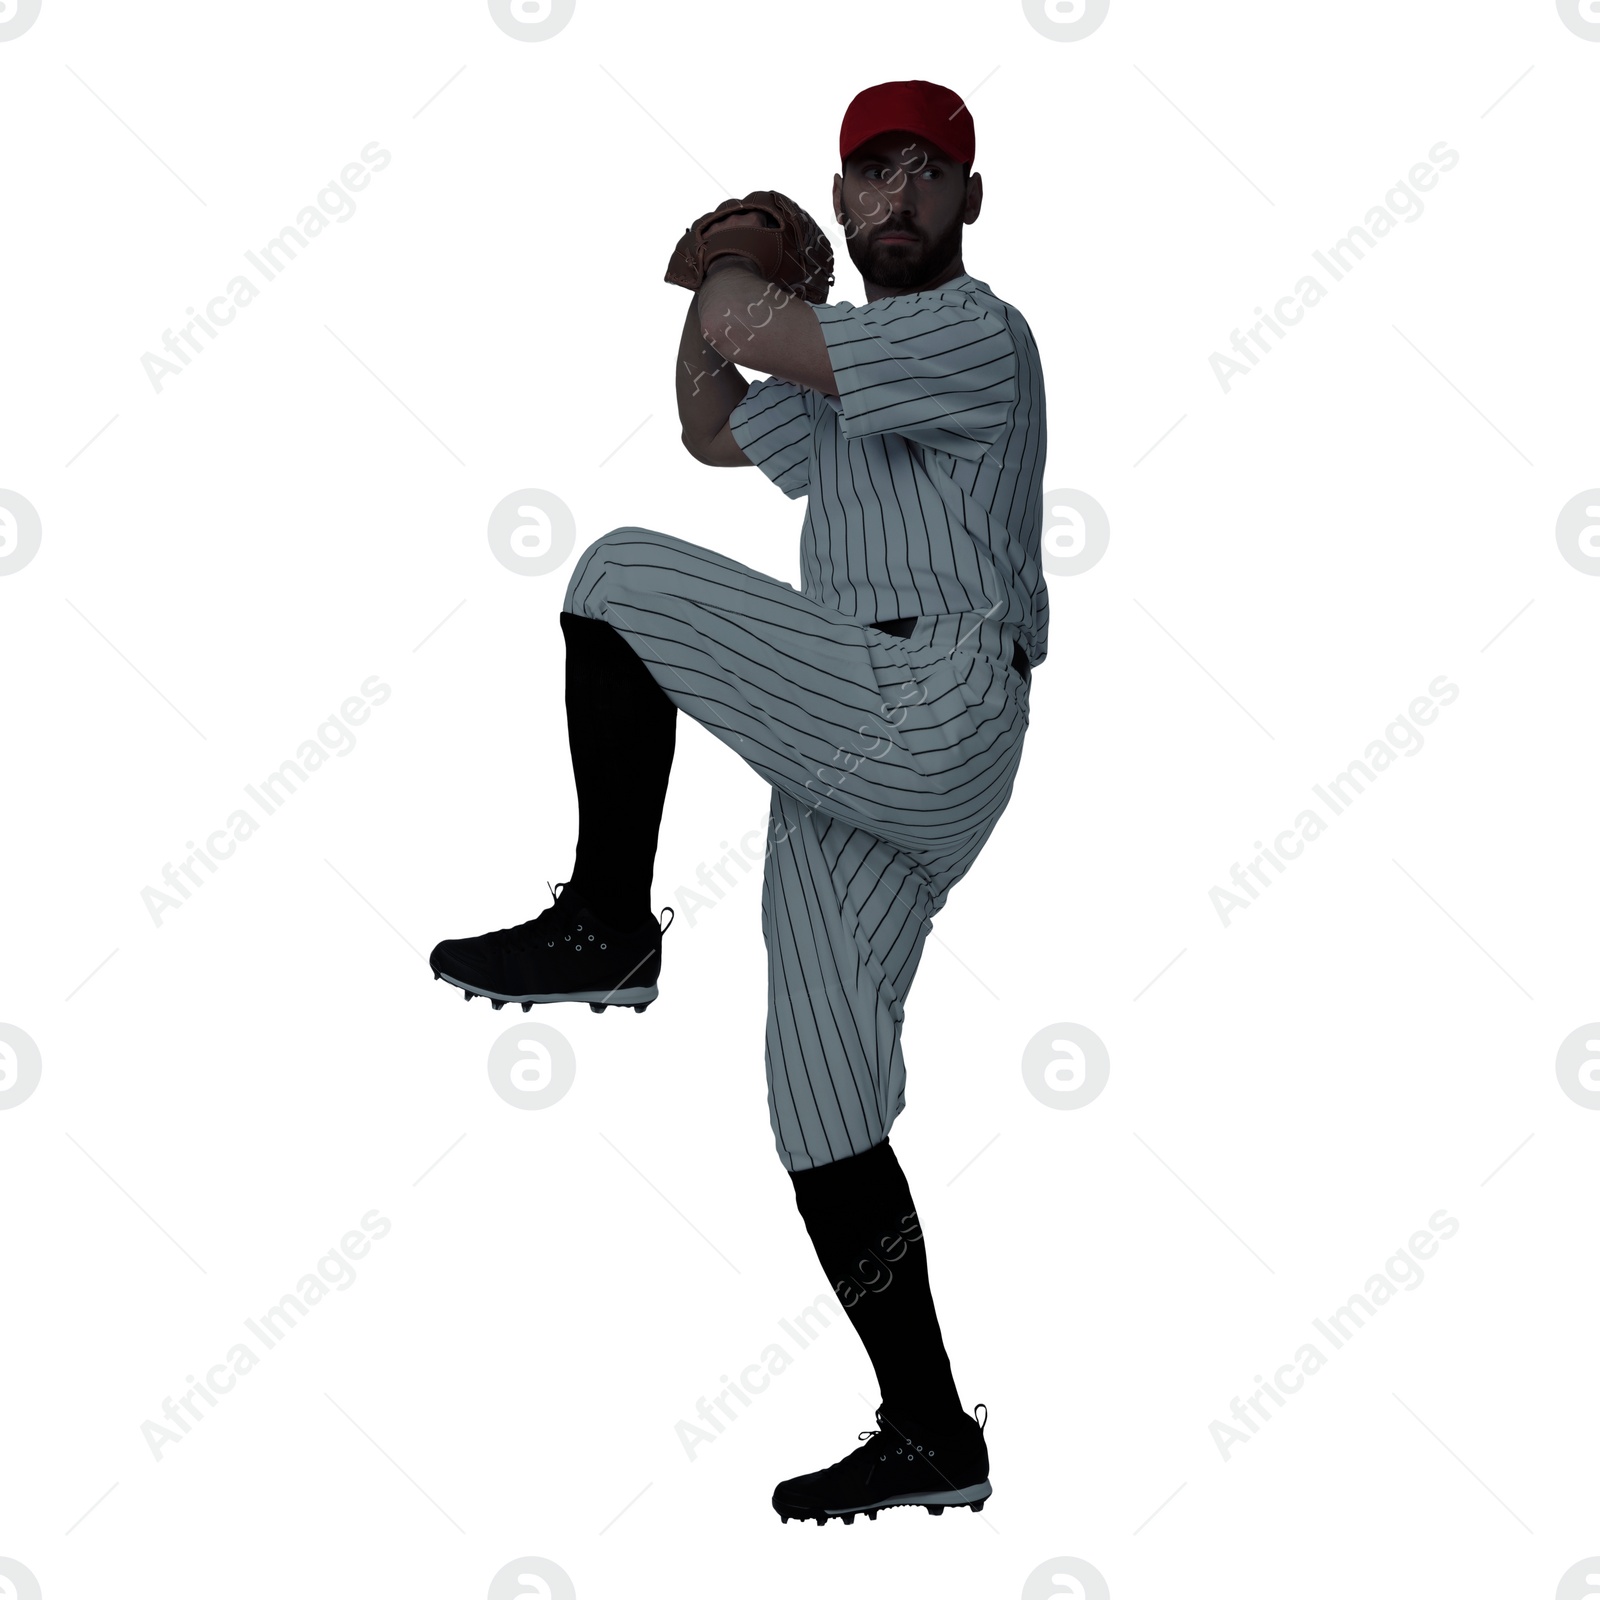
588 576
585 589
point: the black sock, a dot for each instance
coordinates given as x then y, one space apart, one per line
863 1223
621 728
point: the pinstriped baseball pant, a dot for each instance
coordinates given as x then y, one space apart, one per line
890 762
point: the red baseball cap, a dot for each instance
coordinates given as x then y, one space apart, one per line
929 110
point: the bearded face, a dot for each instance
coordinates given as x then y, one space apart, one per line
904 204
900 254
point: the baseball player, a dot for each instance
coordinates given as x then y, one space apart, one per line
885 701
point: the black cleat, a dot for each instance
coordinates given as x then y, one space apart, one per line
566 953
897 1466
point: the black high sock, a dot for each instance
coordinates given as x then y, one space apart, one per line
863 1223
622 729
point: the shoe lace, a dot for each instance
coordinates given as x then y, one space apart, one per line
888 1433
537 932
525 934
882 1440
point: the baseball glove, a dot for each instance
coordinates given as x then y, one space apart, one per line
780 240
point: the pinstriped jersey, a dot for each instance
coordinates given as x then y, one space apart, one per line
923 478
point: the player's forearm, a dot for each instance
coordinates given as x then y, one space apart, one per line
709 387
759 325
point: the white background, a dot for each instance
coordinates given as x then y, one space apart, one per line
225 1095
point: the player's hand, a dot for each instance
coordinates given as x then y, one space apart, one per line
780 241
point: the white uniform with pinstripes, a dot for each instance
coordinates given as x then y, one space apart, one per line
890 758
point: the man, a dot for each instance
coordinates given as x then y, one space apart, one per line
885 701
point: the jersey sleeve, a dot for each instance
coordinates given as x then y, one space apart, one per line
773 426
942 373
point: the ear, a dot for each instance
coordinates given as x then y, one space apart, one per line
838 198
974 198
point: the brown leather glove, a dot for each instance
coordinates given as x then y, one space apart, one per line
775 235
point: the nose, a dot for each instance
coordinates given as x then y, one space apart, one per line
897 203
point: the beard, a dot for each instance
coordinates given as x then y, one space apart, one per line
902 265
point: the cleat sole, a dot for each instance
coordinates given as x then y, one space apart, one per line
975 1498
638 996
